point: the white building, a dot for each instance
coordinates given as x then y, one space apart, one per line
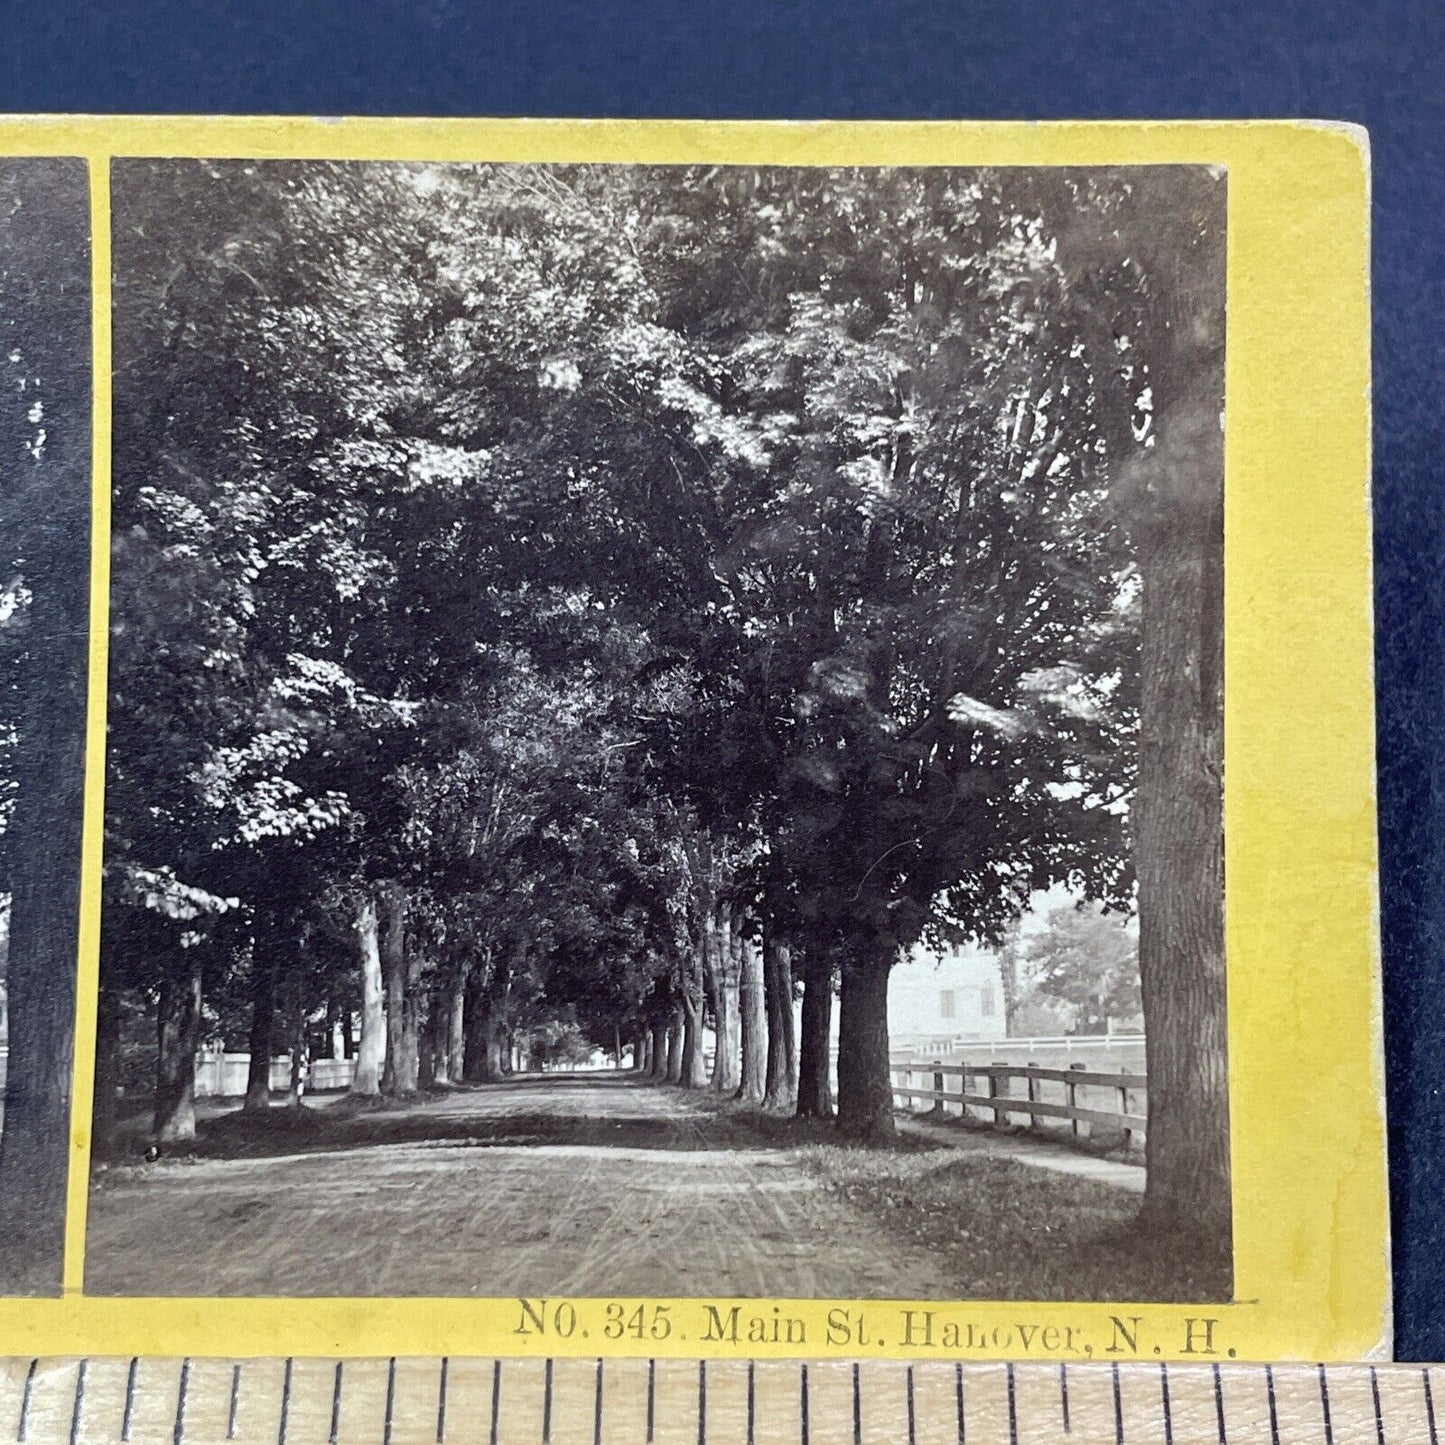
933 997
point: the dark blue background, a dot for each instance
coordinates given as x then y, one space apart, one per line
1375 63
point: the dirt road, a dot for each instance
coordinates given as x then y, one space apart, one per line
568 1184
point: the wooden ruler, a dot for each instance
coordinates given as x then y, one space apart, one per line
642 1402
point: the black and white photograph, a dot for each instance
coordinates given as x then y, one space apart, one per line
664 734
45 489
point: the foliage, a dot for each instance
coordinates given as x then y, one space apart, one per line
1085 958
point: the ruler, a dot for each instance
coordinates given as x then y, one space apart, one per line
641 1402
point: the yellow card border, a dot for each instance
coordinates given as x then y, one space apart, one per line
1306 1074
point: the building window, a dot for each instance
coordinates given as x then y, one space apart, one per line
945 1004
985 1000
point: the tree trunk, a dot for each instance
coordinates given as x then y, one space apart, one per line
1170 495
1008 977
815 1093
781 1090
436 1053
371 1049
494 1051
178 1036
398 1076
694 1066
263 1009
754 1013
474 1022
408 1073
296 1086
333 1029
657 1051
676 1038
433 1057
708 1003
865 1090
107 1074
494 1061
45 315
1179 833
723 986
456 1052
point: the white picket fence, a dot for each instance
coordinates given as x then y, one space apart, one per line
223 1076
1086 1047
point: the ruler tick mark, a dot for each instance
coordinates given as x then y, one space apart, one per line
1164 1401
1273 1412
1429 1406
79 1404
596 1408
1118 1407
1013 1419
651 1396
390 1400
335 1404
1325 1407
23 1429
1064 1394
1219 1404
496 1398
958 1400
234 1401
178 1434
547 1402
912 1421
129 1410
285 1403
702 1402
442 1404
752 1405
857 1407
1375 1396
803 1403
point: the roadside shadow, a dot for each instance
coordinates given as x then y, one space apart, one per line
531 1112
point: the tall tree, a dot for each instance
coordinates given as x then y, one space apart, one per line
45 430
1147 269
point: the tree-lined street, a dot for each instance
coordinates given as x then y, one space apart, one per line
572 608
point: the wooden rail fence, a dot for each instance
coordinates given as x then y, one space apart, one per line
998 1098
